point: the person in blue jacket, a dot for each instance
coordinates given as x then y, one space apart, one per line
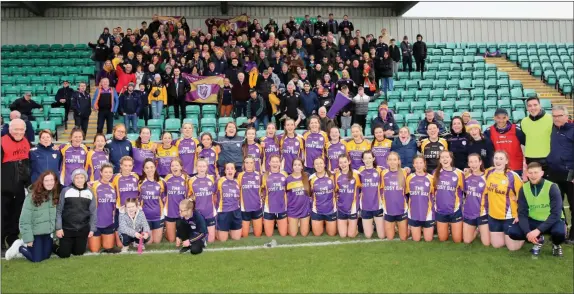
44 157
386 120
129 107
429 118
119 146
406 146
309 100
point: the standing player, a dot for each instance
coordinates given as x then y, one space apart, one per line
74 156
104 236
432 146
335 148
291 146
420 189
371 198
275 203
250 191
227 201
324 211
142 148
381 147
252 148
201 189
210 153
298 200
474 212
165 153
187 149
176 191
448 185
96 158
394 200
356 146
270 144
347 190
152 193
315 143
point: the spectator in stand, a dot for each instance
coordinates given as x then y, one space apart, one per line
387 73
106 36
148 77
395 55
81 105
290 102
307 26
326 122
233 71
429 118
386 37
479 144
144 103
157 97
226 103
386 120
63 99
240 95
407 52
508 137
309 100
15 114
177 88
101 53
420 53
256 109
561 158
107 72
125 75
458 143
129 107
25 105
321 26
537 128
361 101
346 24
15 158
105 102
332 25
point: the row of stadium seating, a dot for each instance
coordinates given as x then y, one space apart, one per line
31 62
45 47
45 55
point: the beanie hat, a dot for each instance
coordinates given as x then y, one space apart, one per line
79 171
472 124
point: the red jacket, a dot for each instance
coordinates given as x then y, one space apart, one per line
124 79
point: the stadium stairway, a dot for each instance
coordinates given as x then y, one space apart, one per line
530 82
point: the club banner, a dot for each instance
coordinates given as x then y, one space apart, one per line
203 89
340 102
238 23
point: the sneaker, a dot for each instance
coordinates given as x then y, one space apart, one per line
125 249
557 250
13 251
184 249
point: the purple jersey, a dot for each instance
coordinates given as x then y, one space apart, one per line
187 153
323 189
228 195
298 200
420 190
394 200
291 148
72 159
176 190
274 191
250 184
94 162
211 155
381 150
371 183
449 191
106 204
356 151
126 187
254 150
202 190
315 146
474 206
140 154
164 156
347 192
152 195
333 153
271 148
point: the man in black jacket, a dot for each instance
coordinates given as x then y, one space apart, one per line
420 53
407 52
63 99
148 77
321 26
395 55
178 88
387 73
81 104
25 105
130 106
101 53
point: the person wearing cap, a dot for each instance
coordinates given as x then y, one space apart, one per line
129 106
390 127
479 144
561 157
407 52
63 99
81 105
76 216
537 128
508 137
25 105
420 53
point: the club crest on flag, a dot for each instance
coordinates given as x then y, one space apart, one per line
203 91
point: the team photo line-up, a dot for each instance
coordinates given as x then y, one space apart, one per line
198 191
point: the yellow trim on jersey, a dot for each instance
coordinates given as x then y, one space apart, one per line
63 151
427 141
115 184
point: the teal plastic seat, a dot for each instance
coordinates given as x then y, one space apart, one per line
423 95
450 95
462 105
476 105
418 106
432 105
172 125
452 85
439 85
516 93
490 94
518 104
402 107
546 104
518 115
504 103
155 124
437 95
447 105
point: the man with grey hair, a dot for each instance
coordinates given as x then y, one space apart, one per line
15 152
326 122
29 129
561 157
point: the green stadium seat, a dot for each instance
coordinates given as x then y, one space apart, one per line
549 77
423 95
57 115
408 96
458 52
450 95
67 62
40 90
465 84
488 117
433 59
8 80
56 47
402 75
476 105
518 115
447 105
400 85
432 105
546 104
155 124
504 103
455 67
491 84
426 85
490 94
482 48
55 62
467 67
446 59
44 47
22 80
442 75
518 105
502 84
7 48
172 125
81 47
516 93
27 63
402 107
444 67
394 96
241 120
431 67
418 106
68 47
462 105
439 85
437 95
411 118
222 122
452 85
565 86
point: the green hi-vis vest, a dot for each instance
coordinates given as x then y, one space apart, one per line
538 206
538 135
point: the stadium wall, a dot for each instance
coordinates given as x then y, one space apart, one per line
84 24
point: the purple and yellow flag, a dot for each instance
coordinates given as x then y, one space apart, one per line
238 23
203 89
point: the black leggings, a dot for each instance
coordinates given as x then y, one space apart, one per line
183 232
73 242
